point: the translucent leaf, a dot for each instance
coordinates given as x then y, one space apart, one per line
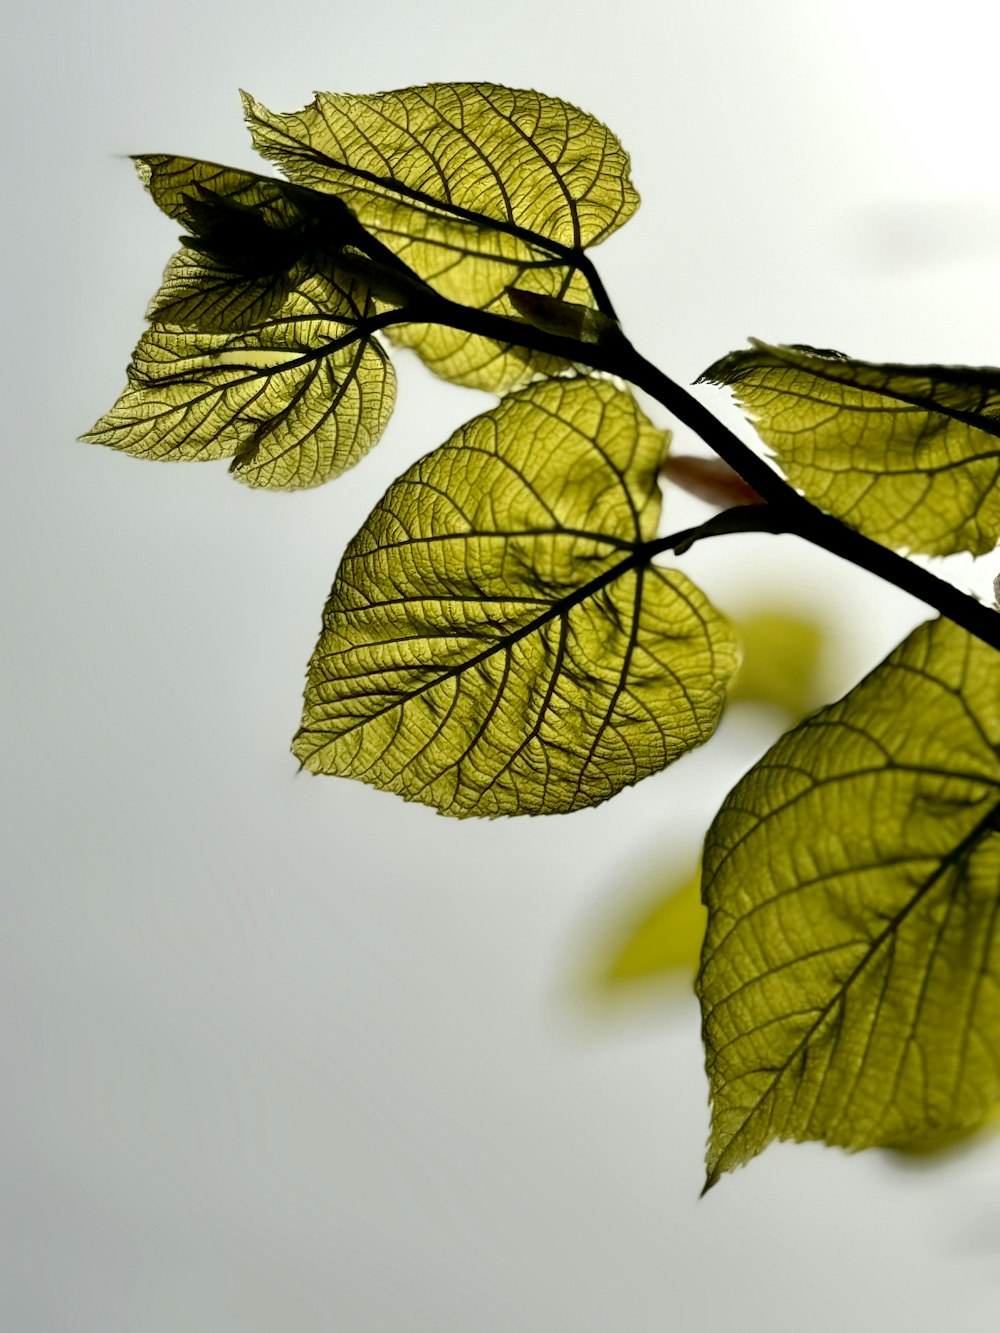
292 404
476 187
257 249
262 348
910 455
496 641
850 982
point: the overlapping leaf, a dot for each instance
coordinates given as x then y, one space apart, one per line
910 455
292 404
850 982
476 187
255 249
261 348
495 641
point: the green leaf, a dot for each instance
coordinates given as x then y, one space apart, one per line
496 641
476 187
262 348
292 404
780 659
910 455
666 940
256 249
850 982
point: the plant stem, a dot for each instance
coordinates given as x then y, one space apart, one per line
792 512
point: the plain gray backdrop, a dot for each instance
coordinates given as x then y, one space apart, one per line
285 1053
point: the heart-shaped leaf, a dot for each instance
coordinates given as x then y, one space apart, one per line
496 641
476 187
292 405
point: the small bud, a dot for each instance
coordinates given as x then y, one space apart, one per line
567 318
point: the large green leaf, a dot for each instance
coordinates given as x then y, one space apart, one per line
496 641
850 981
262 348
910 455
476 187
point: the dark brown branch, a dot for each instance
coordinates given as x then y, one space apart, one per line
791 512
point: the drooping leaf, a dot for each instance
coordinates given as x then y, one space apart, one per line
496 641
850 981
910 455
476 187
292 404
262 346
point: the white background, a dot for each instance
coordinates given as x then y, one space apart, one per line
284 1053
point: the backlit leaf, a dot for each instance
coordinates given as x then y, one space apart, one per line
850 981
496 641
910 455
256 249
292 404
476 187
261 348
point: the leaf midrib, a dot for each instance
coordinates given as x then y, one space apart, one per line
988 425
398 189
559 607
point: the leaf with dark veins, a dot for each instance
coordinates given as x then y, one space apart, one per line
850 979
477 188
496 641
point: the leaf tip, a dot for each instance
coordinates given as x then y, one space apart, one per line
143 163
252 109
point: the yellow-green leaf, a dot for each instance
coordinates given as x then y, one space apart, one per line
261 348
291 403
909 455
665 941
850 981
780 659
476 187
496 641
256 249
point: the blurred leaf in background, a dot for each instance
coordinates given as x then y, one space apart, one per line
657 936
781 658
